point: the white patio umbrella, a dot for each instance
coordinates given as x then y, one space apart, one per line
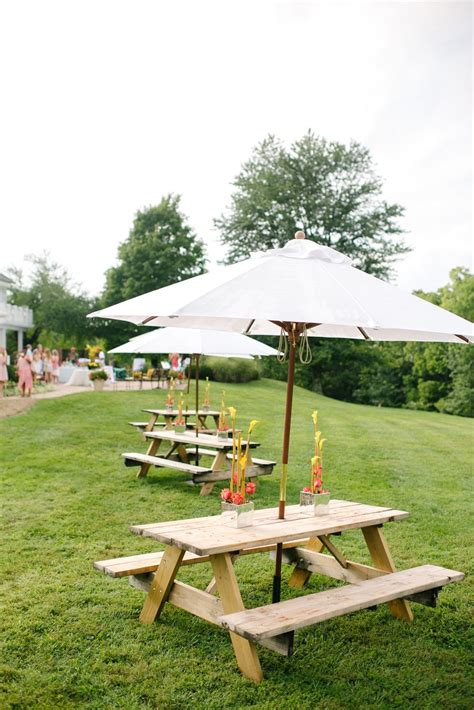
302 289
195 342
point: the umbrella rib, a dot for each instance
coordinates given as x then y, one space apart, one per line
462 337
247 330
361 330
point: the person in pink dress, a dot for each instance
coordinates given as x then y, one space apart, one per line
25 375
3 370
55 366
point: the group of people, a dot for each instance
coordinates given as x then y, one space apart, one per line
32 365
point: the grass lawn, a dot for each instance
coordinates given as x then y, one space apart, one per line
71 636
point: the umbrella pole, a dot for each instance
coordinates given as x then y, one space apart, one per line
196 360
284 464
189 372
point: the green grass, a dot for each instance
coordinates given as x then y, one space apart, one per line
71 636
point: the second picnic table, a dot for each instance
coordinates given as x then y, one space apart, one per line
186 446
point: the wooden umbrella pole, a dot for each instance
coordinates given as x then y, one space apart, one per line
292 341
189 371
196 360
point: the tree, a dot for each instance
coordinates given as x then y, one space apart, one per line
160 250
327 189
59 305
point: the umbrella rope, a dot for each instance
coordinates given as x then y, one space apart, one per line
282 347
305 354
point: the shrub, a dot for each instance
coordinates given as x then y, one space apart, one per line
221 369
12 375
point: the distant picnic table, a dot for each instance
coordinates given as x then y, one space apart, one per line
304 539
169 417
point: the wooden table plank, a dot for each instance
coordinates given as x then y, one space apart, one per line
208 440
186 412
213 537
273 619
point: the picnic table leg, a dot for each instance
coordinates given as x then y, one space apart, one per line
206 488
169 422
151 451
151 422
299 577
382 559
229 593
150 426
219 464
161 584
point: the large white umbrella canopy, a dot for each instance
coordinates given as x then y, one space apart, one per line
303 282
303 288
196 342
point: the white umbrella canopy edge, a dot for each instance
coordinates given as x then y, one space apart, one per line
195 341
301 282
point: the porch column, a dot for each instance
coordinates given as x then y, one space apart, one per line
19 336
3 338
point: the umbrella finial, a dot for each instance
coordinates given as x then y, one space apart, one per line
300 235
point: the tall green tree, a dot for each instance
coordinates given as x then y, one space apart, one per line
161 249
59 305
327 189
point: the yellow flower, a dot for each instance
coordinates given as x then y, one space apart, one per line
252 426
232 412
314 417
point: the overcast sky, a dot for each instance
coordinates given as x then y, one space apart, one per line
107 105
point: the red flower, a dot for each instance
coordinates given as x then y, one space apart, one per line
307 489
318 484
226 495
250 488
238 498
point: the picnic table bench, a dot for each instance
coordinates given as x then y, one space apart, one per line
200 540
188 445
169 417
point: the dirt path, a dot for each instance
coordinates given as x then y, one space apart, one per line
10 406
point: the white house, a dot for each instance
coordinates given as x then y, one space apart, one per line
16 318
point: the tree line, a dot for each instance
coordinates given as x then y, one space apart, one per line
333 193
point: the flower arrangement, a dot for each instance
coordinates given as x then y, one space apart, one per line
206 404
170 395
314 499
237 510
180 422
98 375
222 425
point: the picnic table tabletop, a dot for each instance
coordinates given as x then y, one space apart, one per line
186 412
208 536
211 441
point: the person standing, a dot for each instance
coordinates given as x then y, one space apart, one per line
25 376
3 370
37 364
55 367
47 366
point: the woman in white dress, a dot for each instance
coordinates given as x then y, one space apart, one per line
37 365
3 370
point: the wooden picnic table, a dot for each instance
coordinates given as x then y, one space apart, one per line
170 415
189 445
198 540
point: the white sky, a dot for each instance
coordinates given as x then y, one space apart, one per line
107 105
